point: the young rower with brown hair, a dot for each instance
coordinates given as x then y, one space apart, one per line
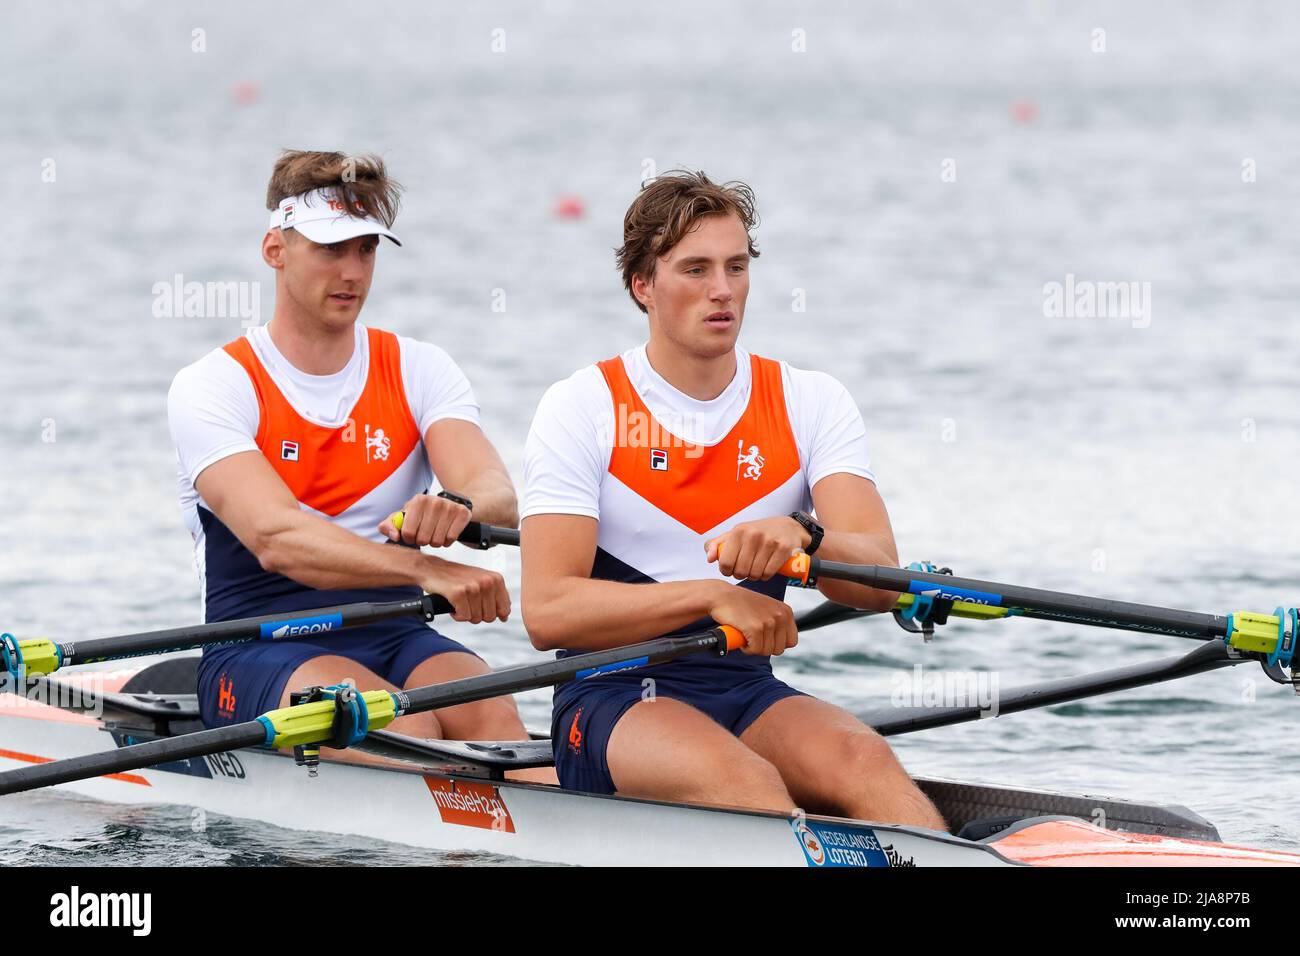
654 477
295 444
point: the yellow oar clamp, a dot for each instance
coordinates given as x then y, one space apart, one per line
338 720
41 656
1255 633
21 659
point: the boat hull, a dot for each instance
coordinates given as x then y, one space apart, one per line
452 812
448 813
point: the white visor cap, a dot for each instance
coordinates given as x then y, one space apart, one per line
319 215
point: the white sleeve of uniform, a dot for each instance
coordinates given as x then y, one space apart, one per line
828 427
436 388
212 413
569 446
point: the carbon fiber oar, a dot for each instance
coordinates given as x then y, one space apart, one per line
1268 638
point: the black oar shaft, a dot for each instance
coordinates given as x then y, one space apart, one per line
1052 605
135 757
893 721
512 680
314 620
483 536
826 614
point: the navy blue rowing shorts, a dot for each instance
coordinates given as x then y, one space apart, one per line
240 682
735 691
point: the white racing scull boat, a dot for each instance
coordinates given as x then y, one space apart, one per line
449 796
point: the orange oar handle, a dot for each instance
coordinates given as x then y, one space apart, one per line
735 640
797 568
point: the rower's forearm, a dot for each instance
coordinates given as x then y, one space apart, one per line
314 552
852 547
583 614
494 499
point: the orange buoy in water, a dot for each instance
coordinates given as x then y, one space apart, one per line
570 207
1024 111
245 93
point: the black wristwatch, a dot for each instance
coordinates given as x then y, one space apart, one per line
810 525
459 499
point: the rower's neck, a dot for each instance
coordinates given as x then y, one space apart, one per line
702 378
307 345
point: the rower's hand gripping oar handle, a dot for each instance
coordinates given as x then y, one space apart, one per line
476 535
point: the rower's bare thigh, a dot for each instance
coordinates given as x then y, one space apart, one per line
824 753
664 749
496 718
332 669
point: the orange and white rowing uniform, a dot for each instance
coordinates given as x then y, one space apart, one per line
662 473
350 447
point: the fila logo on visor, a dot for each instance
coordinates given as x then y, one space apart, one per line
658 460
288 451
